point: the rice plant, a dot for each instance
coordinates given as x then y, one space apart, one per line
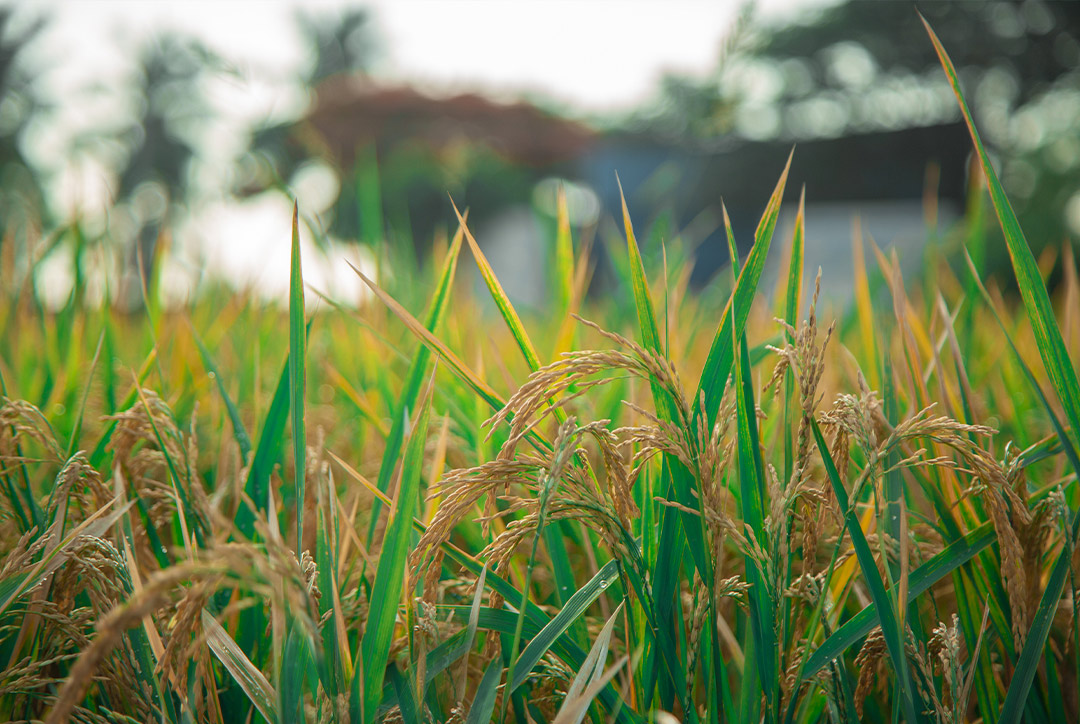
672 511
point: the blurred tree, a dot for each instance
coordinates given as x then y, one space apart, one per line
701 109
160 140
21 197
392 181
340 44
860 67
1033 41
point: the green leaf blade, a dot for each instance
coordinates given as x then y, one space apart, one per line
714 374
389 576
297 377
414 378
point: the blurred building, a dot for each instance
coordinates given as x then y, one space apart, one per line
351 113
886 180
491 156
880 177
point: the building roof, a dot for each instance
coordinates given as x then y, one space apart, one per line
350 113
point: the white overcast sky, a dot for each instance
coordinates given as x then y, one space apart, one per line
596 54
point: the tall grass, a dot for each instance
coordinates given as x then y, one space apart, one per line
235 512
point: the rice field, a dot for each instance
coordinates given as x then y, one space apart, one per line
659 504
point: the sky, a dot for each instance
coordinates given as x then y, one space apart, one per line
590 57
598 55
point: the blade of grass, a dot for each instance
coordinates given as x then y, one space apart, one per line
1015 702
552 535
718 364
583 270
573 609
921 580
677 480
506 309
791 316
564 254
334 668
414 378
910 701
243 440
369 205
573 710
256 484
76 429
181 484
649 332
250 680
1059 368
483 706
267 451
593 669
752 499
438 346
793 295
864 306
593 666
297 378
470 628
295 661
407 705
387 590
1040 313
565 448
